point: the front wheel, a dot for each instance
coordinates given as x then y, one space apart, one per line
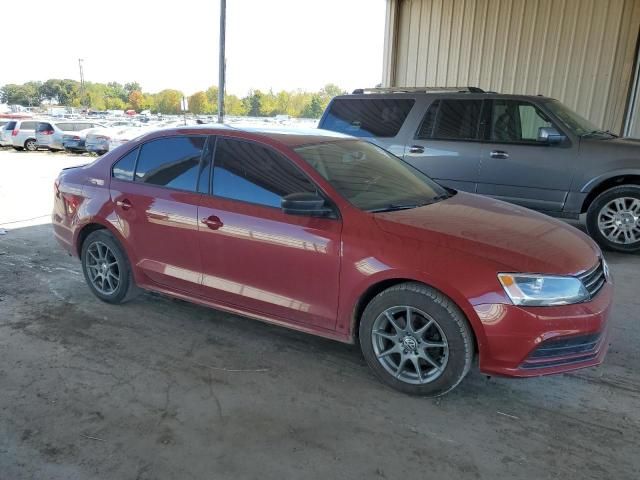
106 268
613 218
416 340
31 145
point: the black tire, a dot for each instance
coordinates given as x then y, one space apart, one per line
18 148
450 321
594 212
126 289
30 145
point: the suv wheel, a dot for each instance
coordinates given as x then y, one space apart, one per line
31 145
416 340
106 268
613 218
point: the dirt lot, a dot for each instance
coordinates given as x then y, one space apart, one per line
161 389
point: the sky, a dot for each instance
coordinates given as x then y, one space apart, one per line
278 44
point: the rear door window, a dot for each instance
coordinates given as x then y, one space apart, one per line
364 117
124 168
172 162
451 120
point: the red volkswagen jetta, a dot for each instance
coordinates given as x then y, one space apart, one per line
334 236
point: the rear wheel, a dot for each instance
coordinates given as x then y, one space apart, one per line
106 268
31 145
416 340
613 218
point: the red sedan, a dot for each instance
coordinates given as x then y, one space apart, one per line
334 236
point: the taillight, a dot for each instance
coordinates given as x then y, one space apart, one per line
15 133
47 132
76 138
103 137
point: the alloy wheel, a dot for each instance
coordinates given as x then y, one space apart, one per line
410 344
31 145
619 220
103 268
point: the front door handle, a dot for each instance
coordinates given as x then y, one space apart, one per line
213 222
499 154
124 204
416 149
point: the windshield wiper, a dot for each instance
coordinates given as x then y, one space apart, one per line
392 207
599 132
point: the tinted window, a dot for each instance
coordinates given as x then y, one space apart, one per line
123 169
28 125
249 172
44 126
367 117
10 126
514 121
171 162
451 119
66 127
370 177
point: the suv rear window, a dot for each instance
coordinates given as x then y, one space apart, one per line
451 120
364 117
44 127
10 126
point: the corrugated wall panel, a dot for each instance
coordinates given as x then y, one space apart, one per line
579 51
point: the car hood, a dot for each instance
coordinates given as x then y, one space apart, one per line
618 147
518 239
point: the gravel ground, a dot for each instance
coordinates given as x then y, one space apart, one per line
161 389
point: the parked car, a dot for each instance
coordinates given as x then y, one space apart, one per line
49 133
19 134
98 141
525 149
334 236
74 142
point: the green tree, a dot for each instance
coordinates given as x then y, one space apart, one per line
168 101
132 87
136 99
233 106
199 103
212 96
314 108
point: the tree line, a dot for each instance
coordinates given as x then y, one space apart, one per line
116 96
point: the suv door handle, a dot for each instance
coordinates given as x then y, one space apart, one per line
416 149
499 154
124 204
213 222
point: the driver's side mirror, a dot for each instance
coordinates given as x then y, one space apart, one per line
306 204
550 136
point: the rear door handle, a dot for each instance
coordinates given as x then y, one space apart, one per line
124 204
416 149
213 222
499 154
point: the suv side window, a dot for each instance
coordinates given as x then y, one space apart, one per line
65 127
171 162
514 121
28 126
450 119
246 171
364 117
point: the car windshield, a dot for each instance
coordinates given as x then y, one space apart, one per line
573 121
371 178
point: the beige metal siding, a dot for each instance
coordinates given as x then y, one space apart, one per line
578 51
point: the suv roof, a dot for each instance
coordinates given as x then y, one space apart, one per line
399 91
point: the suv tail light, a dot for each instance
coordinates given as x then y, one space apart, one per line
47 132
15 133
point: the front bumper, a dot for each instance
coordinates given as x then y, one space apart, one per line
534 341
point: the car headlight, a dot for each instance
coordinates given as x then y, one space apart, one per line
542 290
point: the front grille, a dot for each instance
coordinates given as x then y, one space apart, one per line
564 351
593 279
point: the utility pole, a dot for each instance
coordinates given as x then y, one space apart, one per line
80 60
221 61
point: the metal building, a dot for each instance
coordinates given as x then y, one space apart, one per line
582 52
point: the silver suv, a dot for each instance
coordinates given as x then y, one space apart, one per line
20 134
525 149
49 134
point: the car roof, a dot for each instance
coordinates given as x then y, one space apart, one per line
291 137
438 94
